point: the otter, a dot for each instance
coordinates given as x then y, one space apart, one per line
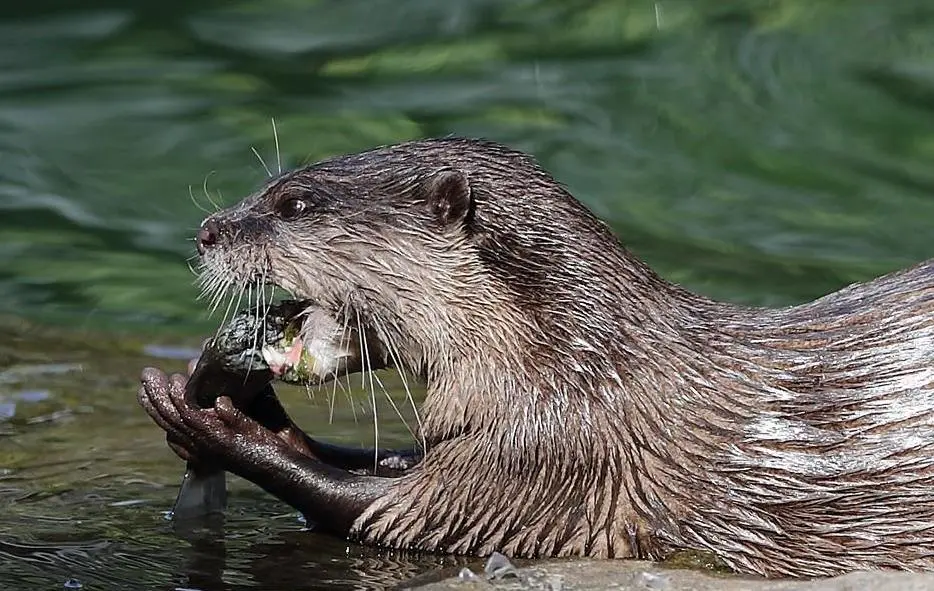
577 403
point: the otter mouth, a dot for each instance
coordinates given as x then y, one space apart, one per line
297 340
294 335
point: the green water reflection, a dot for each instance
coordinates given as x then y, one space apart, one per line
759 151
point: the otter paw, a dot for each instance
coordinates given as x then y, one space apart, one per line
222 435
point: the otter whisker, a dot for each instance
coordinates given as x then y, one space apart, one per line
200 207
367 371
275 134
204 189
223 292
345 336
235 306
348 390
207 283
259 311
395 407
230 298
212 284
250 306
261 161
190 262
268 297
332 397
342 342
396 361
353 404
336 383
204 276
312 389
220 288
219 296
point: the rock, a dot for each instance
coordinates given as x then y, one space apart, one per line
631 575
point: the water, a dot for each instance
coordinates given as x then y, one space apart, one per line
763 152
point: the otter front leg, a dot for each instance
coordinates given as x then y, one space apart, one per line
387 462
330 497
268 411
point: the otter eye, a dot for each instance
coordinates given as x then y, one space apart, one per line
292 208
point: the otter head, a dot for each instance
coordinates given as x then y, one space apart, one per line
444 249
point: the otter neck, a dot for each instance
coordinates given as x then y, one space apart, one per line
616 346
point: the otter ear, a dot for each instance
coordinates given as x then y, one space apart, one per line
449 197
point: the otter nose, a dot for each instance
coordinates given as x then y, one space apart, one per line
207 236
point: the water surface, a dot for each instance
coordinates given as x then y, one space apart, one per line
764 152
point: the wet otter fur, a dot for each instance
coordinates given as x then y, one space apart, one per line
577 403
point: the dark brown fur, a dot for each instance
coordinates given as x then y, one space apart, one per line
577 403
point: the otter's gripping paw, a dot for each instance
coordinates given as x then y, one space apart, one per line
222 435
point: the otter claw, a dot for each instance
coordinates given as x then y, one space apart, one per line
154 396
228 413
144 397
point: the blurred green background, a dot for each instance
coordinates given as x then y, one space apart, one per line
761 151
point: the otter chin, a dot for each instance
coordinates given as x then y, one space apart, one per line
576 402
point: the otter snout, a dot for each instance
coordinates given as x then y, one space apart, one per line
207 236
226 229
232 247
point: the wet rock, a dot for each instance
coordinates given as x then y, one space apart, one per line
630 575
498 567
